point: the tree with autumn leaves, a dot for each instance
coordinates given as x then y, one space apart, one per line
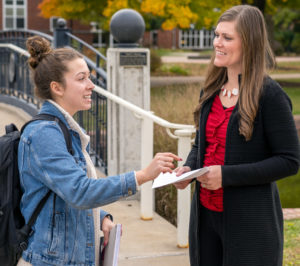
165 14
170 14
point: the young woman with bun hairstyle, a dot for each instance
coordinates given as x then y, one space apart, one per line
67 230
246 136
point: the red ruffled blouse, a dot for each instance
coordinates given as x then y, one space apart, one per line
216 128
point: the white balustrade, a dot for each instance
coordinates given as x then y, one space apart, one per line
183 195
183 133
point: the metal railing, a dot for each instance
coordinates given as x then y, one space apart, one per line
15 83
19 37
14 74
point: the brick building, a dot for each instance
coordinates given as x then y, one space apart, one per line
24 14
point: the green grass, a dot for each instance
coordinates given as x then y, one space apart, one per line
289 190
286 67
175 70
291 254
192 69
294 94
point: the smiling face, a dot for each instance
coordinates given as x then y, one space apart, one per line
76 93
228 47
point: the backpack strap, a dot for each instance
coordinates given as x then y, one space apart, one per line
61 124
26 229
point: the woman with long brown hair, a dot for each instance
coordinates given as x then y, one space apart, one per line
247 138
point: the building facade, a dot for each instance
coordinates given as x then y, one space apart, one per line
25 14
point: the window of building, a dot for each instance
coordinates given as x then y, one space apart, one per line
14 14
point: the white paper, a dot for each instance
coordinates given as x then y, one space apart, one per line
170 178
112 249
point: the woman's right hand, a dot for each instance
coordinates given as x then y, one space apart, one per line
162 162
179 171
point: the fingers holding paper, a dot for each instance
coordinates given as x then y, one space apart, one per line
179 171
107 225
212 180
161 163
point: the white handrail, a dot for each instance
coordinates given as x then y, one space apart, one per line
15 48
140 111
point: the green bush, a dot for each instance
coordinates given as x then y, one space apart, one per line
178 70
286 27
296 43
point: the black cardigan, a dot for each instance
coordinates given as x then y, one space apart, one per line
253 221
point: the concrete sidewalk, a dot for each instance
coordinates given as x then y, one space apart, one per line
10 114
151 243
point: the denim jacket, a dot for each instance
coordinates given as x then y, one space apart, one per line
63 233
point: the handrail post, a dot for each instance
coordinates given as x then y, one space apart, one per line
183 195
147 194
60 37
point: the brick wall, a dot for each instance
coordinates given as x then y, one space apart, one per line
146 42
34 20
165 39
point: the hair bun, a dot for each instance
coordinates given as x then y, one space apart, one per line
38 47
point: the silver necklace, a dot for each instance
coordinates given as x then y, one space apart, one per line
228 93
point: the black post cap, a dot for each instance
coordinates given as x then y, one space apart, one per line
127 26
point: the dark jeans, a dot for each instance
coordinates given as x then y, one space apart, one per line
211 237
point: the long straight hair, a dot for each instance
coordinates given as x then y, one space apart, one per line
257 56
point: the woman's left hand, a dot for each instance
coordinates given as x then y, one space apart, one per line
212 180
107 225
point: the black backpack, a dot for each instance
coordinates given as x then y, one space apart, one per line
14 233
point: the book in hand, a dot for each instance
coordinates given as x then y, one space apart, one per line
109 254
170 178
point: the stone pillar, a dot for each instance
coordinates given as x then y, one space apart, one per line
128 76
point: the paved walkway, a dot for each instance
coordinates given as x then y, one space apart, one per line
195 58
171 80
151 243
